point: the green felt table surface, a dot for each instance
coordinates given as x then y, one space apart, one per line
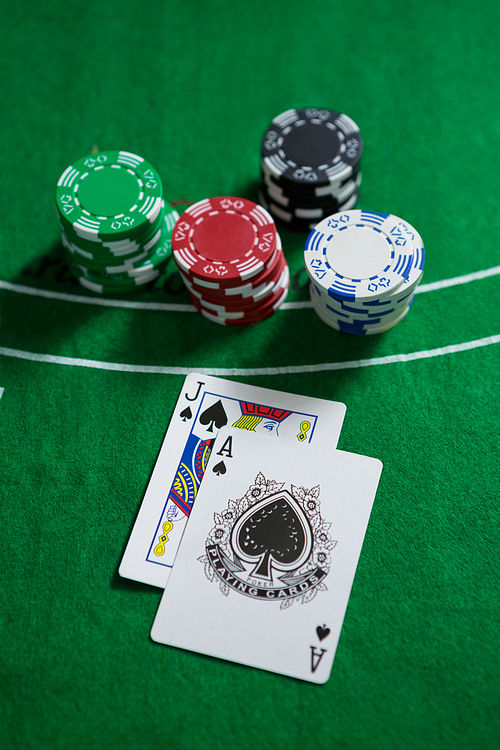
87 386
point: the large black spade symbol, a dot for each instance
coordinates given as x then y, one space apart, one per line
275 533
215 414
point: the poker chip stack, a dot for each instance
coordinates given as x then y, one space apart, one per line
310 166
115 230
363 269
229 255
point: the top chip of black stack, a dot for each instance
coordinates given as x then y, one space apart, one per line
308 148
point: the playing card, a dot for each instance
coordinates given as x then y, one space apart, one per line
267 561
205 405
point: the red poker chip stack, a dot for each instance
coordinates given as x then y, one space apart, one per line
229 255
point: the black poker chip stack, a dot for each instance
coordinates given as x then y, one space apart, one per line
310 166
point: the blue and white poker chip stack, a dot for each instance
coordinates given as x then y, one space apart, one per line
363 269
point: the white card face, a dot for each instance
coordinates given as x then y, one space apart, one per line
205 405
265 568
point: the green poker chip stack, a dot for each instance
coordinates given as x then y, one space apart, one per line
115 229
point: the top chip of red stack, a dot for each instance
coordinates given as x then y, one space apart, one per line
225 239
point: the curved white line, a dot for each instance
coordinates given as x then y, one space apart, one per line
468 277
62 296
173 307
236 371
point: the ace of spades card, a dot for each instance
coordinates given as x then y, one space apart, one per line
205 406
265 568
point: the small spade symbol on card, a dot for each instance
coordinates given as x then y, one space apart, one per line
186 414
322 632
220 468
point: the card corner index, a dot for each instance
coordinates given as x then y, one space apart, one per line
195 378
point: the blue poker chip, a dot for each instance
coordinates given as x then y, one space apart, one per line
367 312
380 311
371 320
348 325
359 255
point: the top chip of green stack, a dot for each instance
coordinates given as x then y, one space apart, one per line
111 195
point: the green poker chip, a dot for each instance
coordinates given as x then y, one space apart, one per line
130 275
100 249
101 257
156 258
110 265
110 195
98 288
112 284
115 229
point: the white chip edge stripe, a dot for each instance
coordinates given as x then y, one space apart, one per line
148 204
128 158
153 241
67 176
249 265
171 219
199 208
347 125
286 118
261 216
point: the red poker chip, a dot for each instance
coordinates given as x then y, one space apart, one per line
226 287
247 321
226 240
259 309
214 287
238 303
236 295
249 306
248 291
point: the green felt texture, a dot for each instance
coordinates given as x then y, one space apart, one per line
191 87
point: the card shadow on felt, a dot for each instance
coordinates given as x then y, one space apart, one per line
127 584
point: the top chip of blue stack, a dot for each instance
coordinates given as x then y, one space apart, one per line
363 268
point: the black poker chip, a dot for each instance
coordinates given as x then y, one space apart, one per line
311 146
307 190
310 166
300 219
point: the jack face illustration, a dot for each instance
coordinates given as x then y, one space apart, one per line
258 418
